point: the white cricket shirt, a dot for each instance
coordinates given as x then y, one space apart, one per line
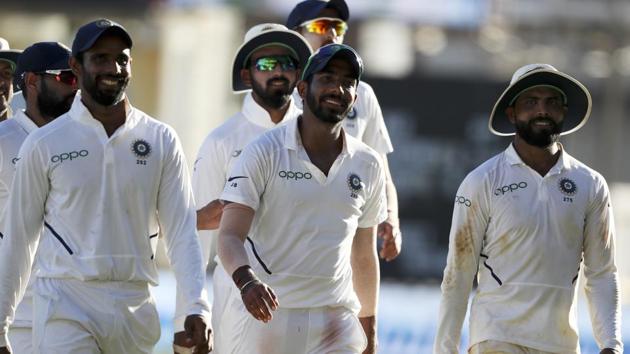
99 198
365 120
305 221
527 236
220 149
13 132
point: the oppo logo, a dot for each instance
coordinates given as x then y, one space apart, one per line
294 175
509 188
69 156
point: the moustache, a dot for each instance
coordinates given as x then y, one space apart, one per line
278 79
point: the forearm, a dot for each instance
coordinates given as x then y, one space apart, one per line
392 195
237 219
366 280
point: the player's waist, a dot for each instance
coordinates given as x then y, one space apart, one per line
100 268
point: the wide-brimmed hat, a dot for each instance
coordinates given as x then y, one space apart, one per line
7 54
265 35
576 96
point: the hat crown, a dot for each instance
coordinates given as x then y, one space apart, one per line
263 28
524 70
4 44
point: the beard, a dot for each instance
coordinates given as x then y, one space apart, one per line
539 137
325 114
273 97
105 97
50 105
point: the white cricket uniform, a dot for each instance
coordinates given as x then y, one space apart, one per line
215 158
526 237
365 121
302 233
99 198
13 132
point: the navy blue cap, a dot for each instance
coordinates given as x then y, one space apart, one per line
88 34
40 57
310 9
318 61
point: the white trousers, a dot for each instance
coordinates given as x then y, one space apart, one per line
498 347
21 339
80 317
322 330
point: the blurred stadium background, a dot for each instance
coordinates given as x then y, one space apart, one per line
437 68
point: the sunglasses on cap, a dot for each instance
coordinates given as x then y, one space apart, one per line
64 76
270 63
322 25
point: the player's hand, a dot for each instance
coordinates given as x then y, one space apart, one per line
608 351
5 350
392 240
209 217
197 335
259 299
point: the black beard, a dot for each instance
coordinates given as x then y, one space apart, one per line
50 105
102 97
540 139
323 114
273 98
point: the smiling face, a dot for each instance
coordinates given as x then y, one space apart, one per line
538 114
330 93
105 70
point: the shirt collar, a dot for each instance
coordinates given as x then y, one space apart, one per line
24 121
293 140
563 163
256 114
79 111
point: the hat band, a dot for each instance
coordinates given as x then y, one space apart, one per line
564 96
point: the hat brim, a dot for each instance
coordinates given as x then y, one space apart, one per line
10 55
290 39
578 101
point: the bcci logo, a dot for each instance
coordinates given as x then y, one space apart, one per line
141 148
355 185
567 187
352 114
104 23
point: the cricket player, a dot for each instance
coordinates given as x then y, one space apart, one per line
266 66
323 22
527 221
8 62
313 196
45 78
101 181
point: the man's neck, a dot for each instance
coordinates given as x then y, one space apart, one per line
35 115
540 159
322 141
276 114
111 117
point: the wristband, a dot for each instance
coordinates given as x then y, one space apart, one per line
247 284
242 275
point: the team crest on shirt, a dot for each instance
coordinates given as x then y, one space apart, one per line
142 149
352 114
355 184
567 187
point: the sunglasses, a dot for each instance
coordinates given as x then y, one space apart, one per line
63 76
271 62
322 25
